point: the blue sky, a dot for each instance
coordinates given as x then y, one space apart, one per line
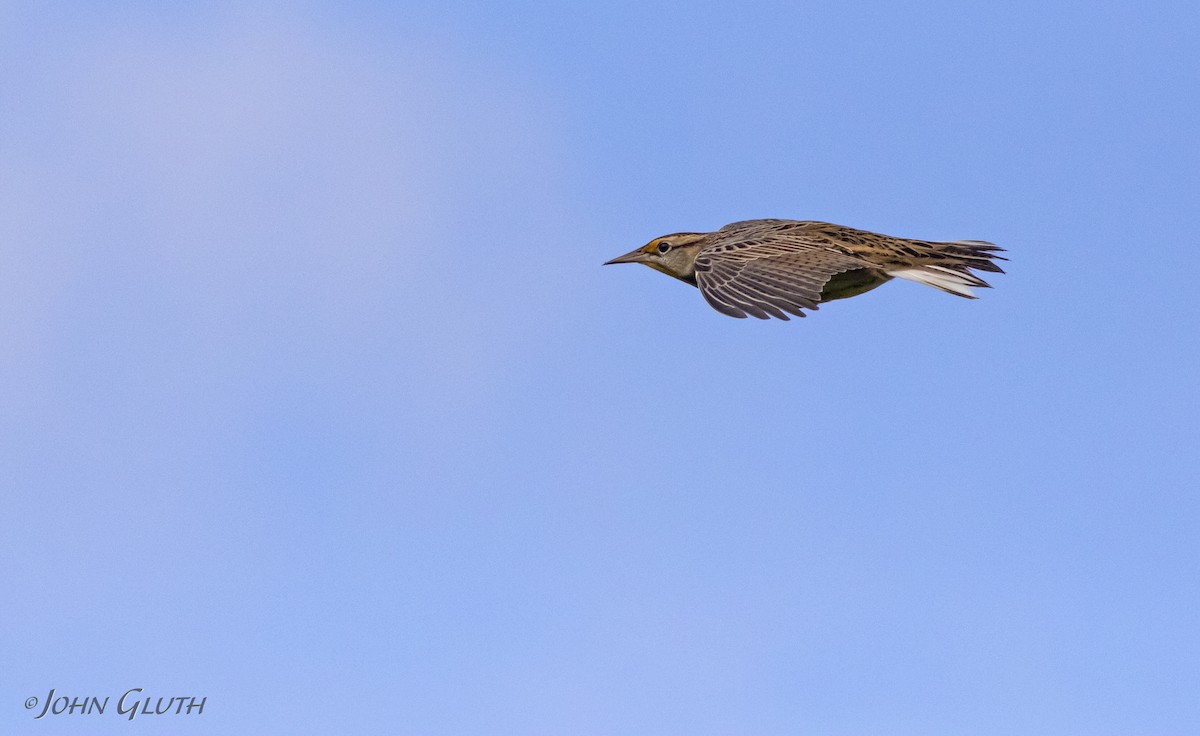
318 404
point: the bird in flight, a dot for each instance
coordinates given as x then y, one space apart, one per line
773 268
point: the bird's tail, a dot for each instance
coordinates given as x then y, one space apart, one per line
948 266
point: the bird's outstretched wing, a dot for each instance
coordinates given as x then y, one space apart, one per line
770 268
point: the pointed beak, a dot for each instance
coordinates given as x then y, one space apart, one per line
635 256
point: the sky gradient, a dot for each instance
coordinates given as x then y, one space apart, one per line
318 404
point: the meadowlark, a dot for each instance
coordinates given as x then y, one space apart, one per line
773 268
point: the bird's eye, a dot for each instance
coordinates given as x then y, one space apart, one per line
664 246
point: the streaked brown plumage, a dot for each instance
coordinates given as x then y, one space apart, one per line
773 268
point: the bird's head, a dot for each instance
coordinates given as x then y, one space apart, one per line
674 255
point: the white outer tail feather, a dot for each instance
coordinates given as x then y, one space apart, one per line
939 278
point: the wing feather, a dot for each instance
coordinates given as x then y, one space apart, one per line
761 271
